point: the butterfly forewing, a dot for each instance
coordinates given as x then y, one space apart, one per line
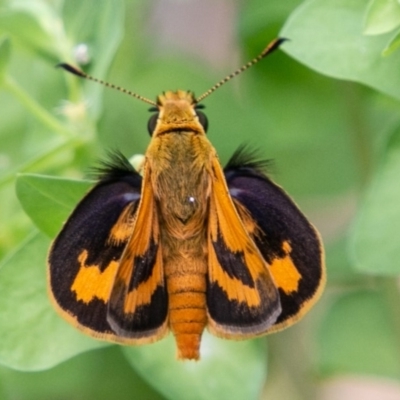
289 244
84 258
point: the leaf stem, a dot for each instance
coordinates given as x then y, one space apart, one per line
36 109
359 130
42 158
392 297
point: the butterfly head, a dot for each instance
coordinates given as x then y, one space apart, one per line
176 112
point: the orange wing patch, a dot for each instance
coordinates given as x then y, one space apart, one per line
234 288
142 294
91 282
122 230
285 273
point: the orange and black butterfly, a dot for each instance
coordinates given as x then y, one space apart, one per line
183 244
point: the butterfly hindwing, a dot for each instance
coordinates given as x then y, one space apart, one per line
138 306
288 242
242 299
85 255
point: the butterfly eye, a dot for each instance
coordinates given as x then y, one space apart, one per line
202 119
151 125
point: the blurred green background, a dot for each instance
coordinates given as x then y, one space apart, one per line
325 109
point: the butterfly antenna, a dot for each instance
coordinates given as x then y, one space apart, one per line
268 50
78 72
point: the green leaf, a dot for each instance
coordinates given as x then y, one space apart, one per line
358 337
47 200
33 336
226 370
5 51
382 16
393 45
103 374
326 35
375 239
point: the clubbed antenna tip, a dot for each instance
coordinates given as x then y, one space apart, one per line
71 69
273 46
78 72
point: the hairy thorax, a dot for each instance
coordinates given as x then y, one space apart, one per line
181 182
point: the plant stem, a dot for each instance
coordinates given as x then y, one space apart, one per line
42 158
36 109
392 297
359 129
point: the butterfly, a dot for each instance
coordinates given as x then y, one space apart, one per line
183 244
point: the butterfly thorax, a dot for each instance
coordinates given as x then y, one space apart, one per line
181 182
179 157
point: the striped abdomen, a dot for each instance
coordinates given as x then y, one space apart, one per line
186 284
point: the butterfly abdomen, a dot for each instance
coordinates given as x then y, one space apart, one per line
186 286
